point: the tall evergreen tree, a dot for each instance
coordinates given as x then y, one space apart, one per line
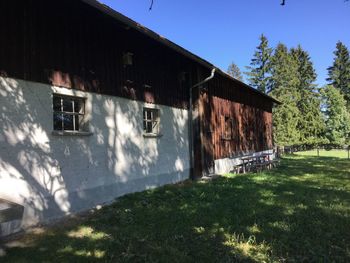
336 115
290 76
339 72
258 74
234 71
311 123
306 72
284 85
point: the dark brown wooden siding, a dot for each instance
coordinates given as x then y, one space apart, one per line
68 43
251 129
233 90
251 117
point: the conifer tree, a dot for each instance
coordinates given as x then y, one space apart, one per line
336 116
284 85
339 72
234 71
258 74
311 122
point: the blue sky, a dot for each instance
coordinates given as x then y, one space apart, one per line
228 30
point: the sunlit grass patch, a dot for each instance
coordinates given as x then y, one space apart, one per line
338 153
243 248
86 232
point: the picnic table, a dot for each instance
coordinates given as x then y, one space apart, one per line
257 162
248 162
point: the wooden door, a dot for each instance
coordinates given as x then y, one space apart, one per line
207 146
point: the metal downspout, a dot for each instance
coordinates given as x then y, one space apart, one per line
190 121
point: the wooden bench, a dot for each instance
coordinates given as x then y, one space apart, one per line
238 168
255 163
267 165
248 163
259 167
275 162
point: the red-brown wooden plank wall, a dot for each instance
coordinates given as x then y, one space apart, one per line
251 133
251 115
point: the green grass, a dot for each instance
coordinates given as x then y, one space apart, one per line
299 212
325 153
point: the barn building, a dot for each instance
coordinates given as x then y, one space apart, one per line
93 106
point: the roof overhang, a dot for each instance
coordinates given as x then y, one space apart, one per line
144 30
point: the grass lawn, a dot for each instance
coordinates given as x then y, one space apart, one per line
325 153
299 212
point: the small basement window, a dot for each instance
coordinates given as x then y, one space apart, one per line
68 113
151 120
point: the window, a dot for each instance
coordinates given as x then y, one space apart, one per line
128 59
227 132
151 121
68 113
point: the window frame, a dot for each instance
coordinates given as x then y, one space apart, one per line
81 115
154 120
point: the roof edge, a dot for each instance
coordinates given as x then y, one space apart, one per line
133 24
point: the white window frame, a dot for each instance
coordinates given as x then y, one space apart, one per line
81 115
151 116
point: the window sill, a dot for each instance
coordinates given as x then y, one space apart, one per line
152 135
71 133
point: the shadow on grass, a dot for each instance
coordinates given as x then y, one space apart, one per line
298 212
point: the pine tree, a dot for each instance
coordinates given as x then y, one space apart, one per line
284 85
258 74
311 124
339 72
336 115
234 71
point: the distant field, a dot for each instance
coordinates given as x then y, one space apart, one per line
325 153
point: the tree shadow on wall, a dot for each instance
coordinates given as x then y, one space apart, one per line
52 176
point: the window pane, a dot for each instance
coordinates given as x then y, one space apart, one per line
150 120
155 115
81 124
73 120
79 106
76 122
149 127
57 121
155 126
67 105
57 104
68 122
148 113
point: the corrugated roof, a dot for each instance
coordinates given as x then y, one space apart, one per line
144 30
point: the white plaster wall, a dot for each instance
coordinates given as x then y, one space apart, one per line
225 165
52 176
